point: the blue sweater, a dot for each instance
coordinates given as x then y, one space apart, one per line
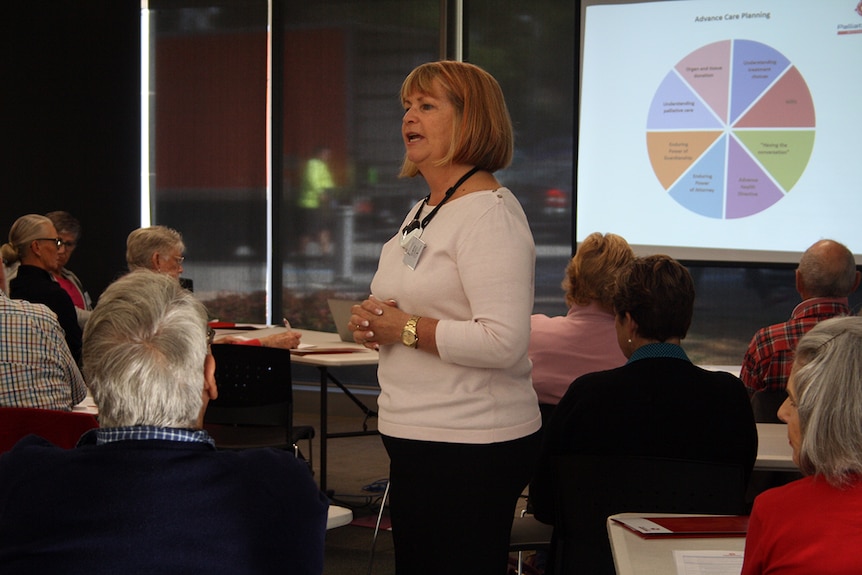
154 506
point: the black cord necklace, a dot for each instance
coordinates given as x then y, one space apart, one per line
415 223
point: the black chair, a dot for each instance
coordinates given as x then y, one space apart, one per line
765 404
528 534
254 407
591 488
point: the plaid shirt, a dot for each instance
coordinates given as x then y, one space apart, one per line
770 354
36 366
105 435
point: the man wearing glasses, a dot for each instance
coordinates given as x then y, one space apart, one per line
35 247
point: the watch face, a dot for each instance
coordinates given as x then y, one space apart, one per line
408 338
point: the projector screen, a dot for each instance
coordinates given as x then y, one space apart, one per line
721 130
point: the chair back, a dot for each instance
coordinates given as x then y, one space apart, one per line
254 387
765 404
62 428
593 487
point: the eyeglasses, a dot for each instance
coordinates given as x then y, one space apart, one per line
70 245
178 259
57 241
210 335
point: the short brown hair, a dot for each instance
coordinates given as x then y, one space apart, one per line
591 275
482 135
658 292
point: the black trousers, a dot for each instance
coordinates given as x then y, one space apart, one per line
452 504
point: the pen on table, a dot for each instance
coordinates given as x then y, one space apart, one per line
285 322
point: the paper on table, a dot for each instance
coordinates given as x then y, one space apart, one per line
708 562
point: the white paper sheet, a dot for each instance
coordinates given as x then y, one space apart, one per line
708 562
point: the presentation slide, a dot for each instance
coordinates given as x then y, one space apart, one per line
721 130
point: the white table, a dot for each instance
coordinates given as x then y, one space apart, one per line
773 448
634 555
334 353
338 516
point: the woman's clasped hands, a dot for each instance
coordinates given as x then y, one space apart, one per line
375 322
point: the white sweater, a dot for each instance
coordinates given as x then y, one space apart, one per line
476 276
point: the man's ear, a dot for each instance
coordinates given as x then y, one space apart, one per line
210 387
154 260
800 284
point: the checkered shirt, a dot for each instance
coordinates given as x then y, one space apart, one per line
770 354
146 432
36 366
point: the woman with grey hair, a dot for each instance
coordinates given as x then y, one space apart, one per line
814 525
36 247
156 248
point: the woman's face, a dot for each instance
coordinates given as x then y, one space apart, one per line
46 250
70 242
427 126
789 414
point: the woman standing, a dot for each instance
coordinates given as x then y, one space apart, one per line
450 315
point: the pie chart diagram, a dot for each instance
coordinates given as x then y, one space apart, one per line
730 129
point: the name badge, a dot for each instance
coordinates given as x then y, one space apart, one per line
412 250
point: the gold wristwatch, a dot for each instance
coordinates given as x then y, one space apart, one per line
409 337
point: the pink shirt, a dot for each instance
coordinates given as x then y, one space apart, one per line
72 290
564 348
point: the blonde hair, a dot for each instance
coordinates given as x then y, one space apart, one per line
482 134
591 275
21 234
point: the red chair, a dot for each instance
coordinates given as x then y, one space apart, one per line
62 428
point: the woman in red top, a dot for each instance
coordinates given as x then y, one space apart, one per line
814 525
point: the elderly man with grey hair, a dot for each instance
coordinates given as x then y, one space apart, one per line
159 497
825 278
156 248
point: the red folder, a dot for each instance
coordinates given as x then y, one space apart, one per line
694 526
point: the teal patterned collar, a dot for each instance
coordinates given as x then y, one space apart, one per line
653 350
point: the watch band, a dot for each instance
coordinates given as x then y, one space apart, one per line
409 336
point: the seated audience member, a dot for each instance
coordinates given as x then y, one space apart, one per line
814 524
156 248
36 367
69 230
160 249
563 348
163 499
36 247
826 276
658 404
